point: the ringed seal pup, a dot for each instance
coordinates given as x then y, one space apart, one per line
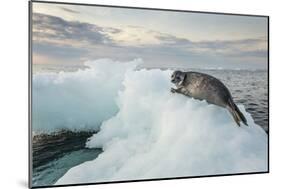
205 87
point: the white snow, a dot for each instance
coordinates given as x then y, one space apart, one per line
158 134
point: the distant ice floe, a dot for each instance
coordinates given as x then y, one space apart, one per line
148 132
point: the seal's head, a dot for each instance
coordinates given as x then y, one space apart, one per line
177 77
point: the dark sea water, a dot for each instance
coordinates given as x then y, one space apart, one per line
54 154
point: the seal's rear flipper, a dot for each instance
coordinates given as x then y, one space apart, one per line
236 113
236 119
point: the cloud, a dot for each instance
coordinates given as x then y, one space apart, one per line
244 47
62 51
173 40
74 41
112 30
68 42
70 10
219 44
53 29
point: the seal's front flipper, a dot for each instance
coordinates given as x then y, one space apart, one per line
173 90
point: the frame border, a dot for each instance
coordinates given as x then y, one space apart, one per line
30 63
30 74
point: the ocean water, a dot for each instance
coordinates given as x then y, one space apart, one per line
55 153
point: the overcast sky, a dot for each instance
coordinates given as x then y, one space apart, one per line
70 35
